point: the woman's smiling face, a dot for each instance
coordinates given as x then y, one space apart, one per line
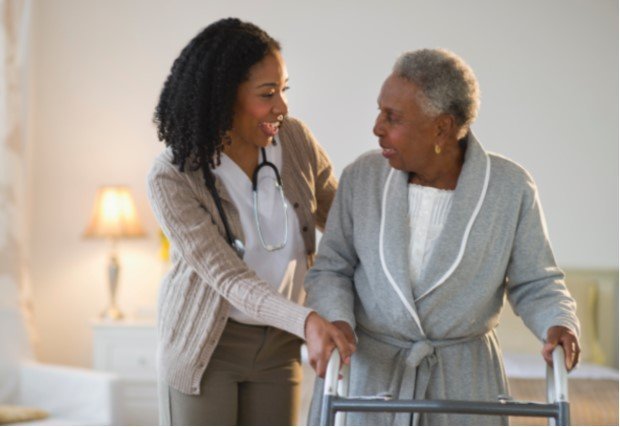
261 102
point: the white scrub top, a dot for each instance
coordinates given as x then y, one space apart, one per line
285 268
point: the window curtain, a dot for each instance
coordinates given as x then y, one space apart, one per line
15 298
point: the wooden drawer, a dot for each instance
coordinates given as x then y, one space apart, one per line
128 349
131 361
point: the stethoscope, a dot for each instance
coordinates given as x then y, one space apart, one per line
235 243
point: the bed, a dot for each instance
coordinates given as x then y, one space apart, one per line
593 385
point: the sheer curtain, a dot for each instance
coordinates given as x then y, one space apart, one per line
15 302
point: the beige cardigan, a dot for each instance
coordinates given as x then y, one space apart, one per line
206 275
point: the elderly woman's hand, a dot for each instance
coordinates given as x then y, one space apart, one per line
321 338
561 335
347 330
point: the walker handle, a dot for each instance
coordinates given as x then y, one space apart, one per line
333 387
331 375
557 377
557 386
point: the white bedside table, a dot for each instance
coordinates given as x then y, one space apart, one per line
127 348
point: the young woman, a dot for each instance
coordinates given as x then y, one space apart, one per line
238 191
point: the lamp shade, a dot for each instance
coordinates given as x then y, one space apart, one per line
114 214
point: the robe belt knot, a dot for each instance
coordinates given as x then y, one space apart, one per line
421 351
419 358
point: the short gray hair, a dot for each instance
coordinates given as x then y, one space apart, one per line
448 84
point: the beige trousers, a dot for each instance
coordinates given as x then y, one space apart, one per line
253 378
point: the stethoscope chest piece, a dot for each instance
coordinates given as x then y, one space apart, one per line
239 248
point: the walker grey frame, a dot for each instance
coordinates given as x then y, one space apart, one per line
335 406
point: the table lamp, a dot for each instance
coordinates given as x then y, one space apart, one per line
114 216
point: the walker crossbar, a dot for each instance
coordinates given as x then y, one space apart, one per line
557 411
553 410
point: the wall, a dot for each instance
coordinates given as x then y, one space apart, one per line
548 73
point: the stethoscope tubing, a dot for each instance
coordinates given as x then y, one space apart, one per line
265 163
236 244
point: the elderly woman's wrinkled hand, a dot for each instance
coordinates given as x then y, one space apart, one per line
322 338
561 335
347 330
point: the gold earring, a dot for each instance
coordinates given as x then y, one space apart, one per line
437 149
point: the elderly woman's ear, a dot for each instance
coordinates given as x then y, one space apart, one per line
446 126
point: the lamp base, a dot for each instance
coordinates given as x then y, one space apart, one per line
112 313
114 268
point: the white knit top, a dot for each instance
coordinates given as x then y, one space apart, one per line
428 210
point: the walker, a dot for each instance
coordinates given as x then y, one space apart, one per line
336 404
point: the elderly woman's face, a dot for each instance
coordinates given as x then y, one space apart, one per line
406 133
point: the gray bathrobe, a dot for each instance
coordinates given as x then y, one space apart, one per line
436 341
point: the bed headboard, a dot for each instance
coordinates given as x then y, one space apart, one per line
596 293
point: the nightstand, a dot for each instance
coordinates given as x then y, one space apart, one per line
127 348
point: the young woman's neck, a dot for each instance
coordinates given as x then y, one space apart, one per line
244 155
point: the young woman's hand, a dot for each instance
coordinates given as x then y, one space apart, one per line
321 338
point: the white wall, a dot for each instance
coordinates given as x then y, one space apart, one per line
548 73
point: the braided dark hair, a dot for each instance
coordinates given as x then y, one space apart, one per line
195 108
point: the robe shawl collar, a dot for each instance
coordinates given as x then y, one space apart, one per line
449 248
396 232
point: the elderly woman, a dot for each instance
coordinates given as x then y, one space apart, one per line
424 240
